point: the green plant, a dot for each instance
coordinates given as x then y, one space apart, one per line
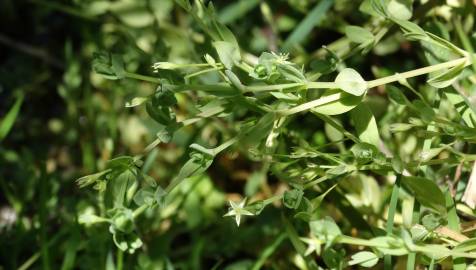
322 167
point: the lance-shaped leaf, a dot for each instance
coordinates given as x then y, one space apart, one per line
426 192
364 259
359 34
469 196
345 103
400 9
411 30
446 78
228 53
7 122
108 65
365 124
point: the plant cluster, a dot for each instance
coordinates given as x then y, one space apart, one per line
258 100
350 157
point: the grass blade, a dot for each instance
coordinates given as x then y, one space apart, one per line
313 18
7 122
391 215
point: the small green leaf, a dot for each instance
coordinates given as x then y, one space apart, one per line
122 219
426 192
339 170
160 196
108 65
345 103
431 221
228 53
351 82
446 78
7 122
332 258
291 73
90 219
235 81
359 34
292 198
364 152
400 9
197 164
400 127
118 187
185 4
364 258
426 112
390 245
365 124
397 165
462 105
161 114
467 245
395 94
325 229
145 196
91 179
224 33
379 7
252 136
445 44
411 30
136 102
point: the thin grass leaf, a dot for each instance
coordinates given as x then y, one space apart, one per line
8 120
313 18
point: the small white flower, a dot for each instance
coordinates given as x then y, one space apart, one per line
238 210
313 244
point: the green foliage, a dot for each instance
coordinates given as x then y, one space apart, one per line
348 126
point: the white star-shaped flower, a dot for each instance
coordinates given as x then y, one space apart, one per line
313 244
238 210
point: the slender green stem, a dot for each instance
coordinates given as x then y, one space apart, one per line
140 210
262 88
321 85
272 199
391 215
417 72
187 77
28 263
312 104
224 145
308 85
269 251
411 259
46 264
142 77
344 239
120 259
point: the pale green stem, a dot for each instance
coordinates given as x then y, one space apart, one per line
314 85
417 72
262 88
142 77
321 85
224 146
312 104
187 77
415 248
139 210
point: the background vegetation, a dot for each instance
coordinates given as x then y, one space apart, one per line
381 178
